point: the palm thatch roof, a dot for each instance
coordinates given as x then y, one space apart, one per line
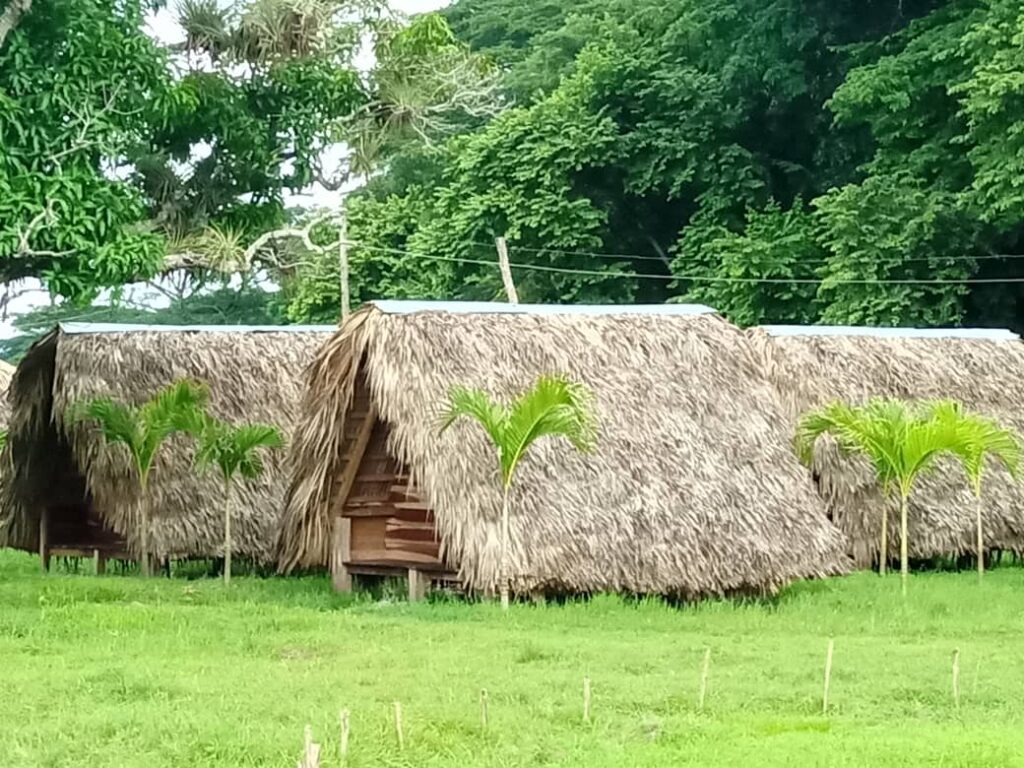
254 374
812 366
693 489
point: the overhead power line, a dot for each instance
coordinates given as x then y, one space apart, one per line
665 260
701 278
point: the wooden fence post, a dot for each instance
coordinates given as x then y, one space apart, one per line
704 679
828 676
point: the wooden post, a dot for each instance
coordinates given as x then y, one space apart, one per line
341 552
310 750
344 736
586 699
44 539
99 562
483 709
828 676
398 725
506 271
704 679
418 584
343 262
956 678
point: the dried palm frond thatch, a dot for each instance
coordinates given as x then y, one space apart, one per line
813 366
253 374
692 490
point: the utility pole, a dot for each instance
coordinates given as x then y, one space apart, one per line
506 271
343 262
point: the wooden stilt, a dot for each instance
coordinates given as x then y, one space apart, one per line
418 584
341 554
99 562
44 540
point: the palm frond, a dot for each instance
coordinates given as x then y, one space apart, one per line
974 437
234 449
117 422
178 407
477 404
554 407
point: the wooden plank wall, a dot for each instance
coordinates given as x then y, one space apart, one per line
391 524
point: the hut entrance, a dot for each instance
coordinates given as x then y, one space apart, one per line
69 525
382 525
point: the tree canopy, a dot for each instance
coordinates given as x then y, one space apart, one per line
841 162
838 161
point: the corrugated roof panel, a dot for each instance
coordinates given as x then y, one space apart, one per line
500 308
987 334
88 328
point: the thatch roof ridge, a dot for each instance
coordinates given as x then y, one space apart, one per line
692 491
252 376
983 373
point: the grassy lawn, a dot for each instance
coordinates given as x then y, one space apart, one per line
119 671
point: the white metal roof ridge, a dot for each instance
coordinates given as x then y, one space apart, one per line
394 307
981 334
91 328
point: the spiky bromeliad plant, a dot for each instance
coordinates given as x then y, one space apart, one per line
979 437
901 440
553 406
235 453
142 430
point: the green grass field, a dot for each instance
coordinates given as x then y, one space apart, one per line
120 671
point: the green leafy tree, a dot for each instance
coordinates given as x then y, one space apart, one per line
234 451
553 407
81 85
980 438
902 441
142 430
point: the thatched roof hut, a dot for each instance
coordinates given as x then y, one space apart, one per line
814 365
692 491
85 490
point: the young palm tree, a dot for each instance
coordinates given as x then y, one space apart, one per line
900 440
142 430
233 450
553 406
980 437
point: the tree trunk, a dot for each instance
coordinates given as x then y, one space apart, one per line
503 571
883 550
981 535
144 532
904 549
227 533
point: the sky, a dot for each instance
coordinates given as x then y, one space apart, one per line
162 26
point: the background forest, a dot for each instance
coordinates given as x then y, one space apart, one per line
788 161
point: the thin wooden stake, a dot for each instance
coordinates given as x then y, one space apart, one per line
828 676
483 708
586 699
956 677
506 271
704 679
398 725
344 736
343 262
310 751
